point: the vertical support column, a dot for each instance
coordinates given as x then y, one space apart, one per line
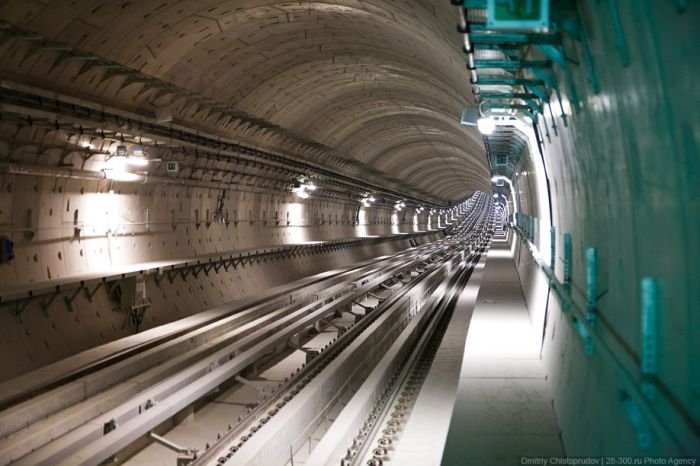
591 284
650 312
567 262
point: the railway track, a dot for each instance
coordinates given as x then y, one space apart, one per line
100 403
327 401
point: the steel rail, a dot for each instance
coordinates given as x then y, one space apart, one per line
234 441
245 349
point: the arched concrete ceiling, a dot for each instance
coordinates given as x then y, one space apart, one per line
378 81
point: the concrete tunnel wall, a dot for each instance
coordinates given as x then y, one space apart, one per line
274 76
623 169
122 224
624 176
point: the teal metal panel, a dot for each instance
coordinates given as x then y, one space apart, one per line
518 14
513 38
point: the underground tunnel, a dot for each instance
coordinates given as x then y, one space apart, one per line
349 232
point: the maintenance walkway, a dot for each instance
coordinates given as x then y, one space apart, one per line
487 390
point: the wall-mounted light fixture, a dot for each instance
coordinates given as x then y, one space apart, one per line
137 161
367 201
302 189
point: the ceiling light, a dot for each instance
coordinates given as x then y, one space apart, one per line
302 194
310 186
486 125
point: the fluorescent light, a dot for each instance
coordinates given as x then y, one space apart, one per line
486 125
302 194
117 175
366 201
116 164
310 186
137 161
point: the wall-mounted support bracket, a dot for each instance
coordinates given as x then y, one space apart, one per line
591 285
637 419
567 262
47 302
620 41
573 95
20 306
552 247
650 318
91 294
171 275
588 345
196 270
554 121
68 300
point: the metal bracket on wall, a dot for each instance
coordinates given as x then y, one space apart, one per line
637 419
650 315
46 292
588 345
648 422
47 302
592 286
567 262
620 41
552 247
68 300
91 294
20 306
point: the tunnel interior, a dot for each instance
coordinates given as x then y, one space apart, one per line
163 161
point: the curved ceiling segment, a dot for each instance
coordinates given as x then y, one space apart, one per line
377 81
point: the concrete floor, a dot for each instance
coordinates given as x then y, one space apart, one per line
503 410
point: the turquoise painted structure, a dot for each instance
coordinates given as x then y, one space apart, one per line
619 137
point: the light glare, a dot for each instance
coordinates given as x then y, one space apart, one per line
486 125
137 161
